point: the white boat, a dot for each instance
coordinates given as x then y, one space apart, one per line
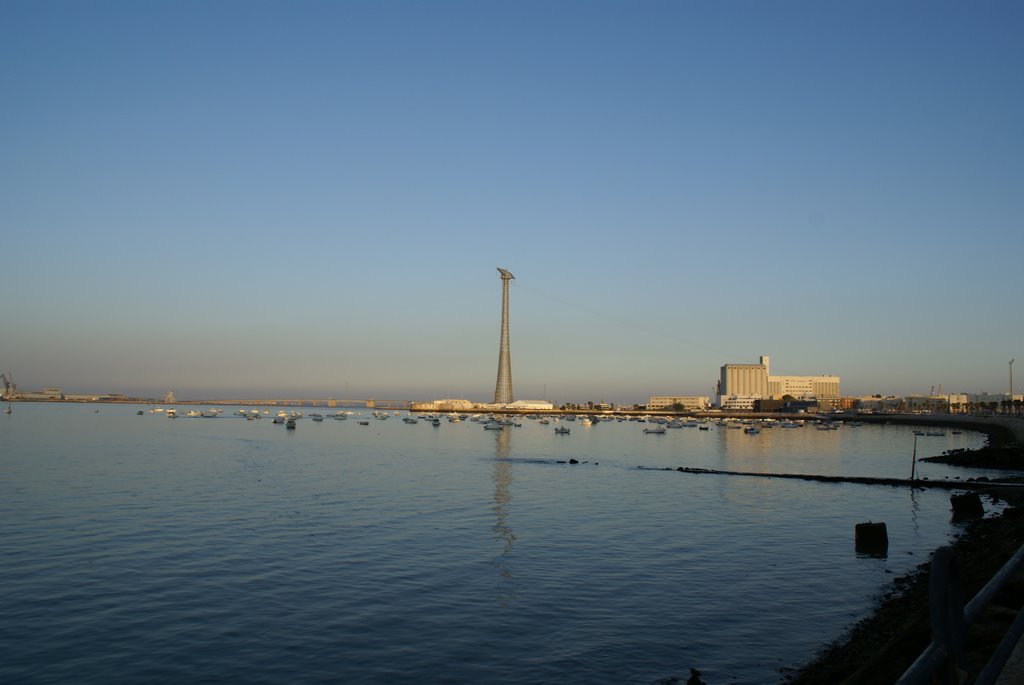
172 413
655 430
192 413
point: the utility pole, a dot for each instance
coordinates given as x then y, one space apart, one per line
1009 407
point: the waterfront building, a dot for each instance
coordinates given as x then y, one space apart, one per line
51 393
996 402
738 402
889 404
755 380
466 405
745 379
689 403
529 405
943 404
804 387
449 405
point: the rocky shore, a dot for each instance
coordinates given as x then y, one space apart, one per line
881 647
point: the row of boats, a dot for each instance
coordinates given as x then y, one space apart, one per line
661 424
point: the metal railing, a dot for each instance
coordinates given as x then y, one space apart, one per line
944 660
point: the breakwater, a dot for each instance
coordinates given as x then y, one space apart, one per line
980 483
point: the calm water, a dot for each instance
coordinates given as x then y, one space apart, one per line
144 549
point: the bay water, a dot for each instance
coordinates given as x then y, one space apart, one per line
143 549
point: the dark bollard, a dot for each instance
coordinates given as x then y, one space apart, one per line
967 506
946 614
871 538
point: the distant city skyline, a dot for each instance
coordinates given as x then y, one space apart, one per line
240 199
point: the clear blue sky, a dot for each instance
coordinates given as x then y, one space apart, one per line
264 198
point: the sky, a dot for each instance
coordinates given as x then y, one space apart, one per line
267 199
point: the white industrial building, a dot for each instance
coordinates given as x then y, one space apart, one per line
741 384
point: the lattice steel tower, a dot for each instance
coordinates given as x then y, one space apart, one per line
503 388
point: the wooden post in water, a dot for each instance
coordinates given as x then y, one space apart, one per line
913 463
871 538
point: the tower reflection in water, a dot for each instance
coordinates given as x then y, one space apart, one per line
502 530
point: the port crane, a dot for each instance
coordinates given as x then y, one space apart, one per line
10 387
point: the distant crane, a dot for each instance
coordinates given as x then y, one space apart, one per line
10 387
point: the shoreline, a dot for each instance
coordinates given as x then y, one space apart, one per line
880 648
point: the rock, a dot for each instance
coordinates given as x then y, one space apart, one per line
966 506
